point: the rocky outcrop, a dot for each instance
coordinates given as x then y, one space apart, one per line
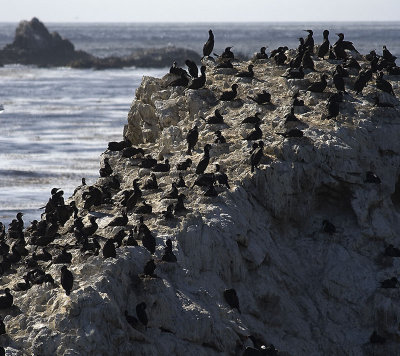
34 44
305 288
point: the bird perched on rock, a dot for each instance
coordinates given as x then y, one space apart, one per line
256 134
291 133
256 156
162 167
261 54
384 85
252 119
309 41
261 98
318 87
183 166
168 255
390 283
232 299
203 163
6 300
151 183
219 137
229 95
132 321
217 118
328 227
119 220
221 177
209 45
295 74
247 74
191 139
144 208
149 268
63 257
193 70
199 82
179 206
106 170
324 48
109 249
67 279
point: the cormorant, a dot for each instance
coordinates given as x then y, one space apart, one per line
262 54
141 312
230 94
209 45
217 118
198 83
6 300
162 167
202 165
168 254
309 41
318 87
191 139
183 166
252 119
247 74
67 279
291 133
232 298
193 70
324 48
256 156
383 84
261 98
256 134
220 138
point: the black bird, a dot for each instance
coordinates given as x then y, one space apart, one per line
148 240
131 240
198 83
131 151
169 213
211 192
168 255
390 283
6 300
67 279
203 163
383 84
149 268
261 98
144 209
106 170
44 256
109 249
179 206
221 177
220 138
204 180
2 327
91 229
191 139
119 146
141 313
296 101
309 41
132 321
247 74
371 177
217 118
177 70
173 193
295 74
262 54
341 45
352 63
119 220
151 183
291 133
225 64
387 55
148 162
227 54
256 155
256 134
181 182
306 61
290 116
183 166
381 104
324 48
328 227
63 257
333 108
229 95
193 70
339 82
182 81
162 167
392 251
232 299
375 338
361 81
318 87
209 45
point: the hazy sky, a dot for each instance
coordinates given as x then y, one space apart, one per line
199 11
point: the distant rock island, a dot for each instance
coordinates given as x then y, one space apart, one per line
34 44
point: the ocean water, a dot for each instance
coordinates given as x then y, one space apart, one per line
56 122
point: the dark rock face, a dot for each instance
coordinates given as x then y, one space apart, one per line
34 44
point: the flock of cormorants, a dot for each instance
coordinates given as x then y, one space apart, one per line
19 247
